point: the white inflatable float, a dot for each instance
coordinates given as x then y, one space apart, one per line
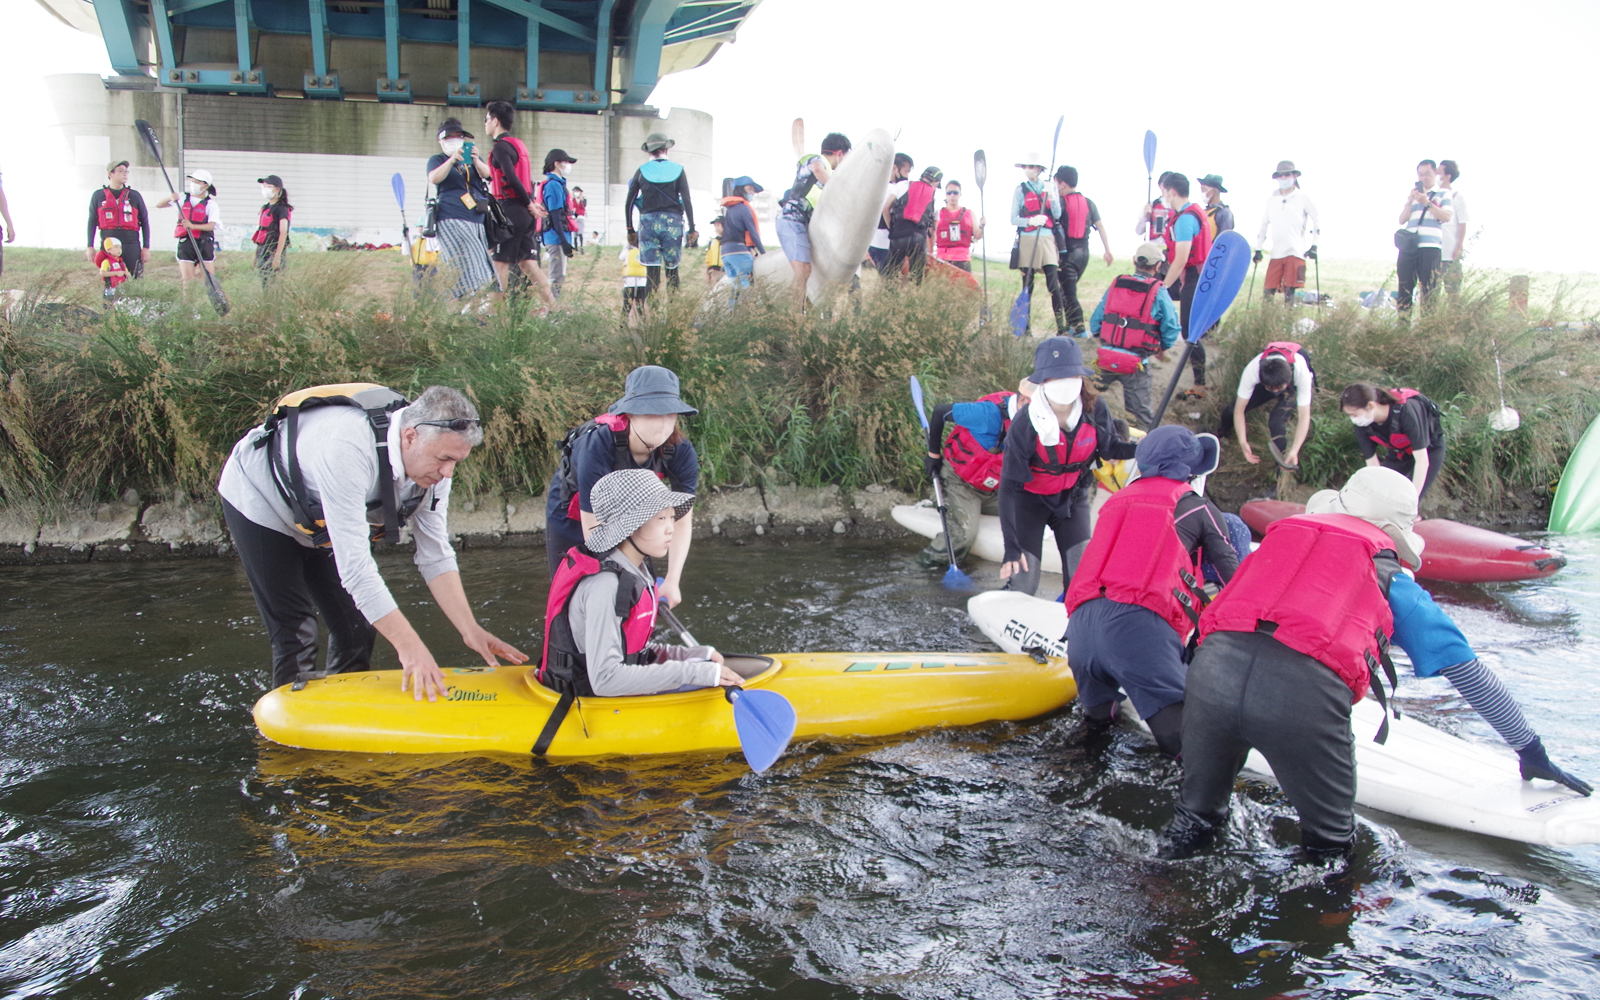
923 519
1420 773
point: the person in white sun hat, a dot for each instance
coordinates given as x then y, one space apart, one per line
1298 637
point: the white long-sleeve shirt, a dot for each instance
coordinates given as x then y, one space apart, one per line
592 616
1291 222
339 465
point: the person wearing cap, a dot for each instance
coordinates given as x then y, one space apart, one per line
1035 211
659 189
603 600
272 227
116 211
1297 638
639 431
113 272
797 204
557 225
1136 595
1407 425
899 180
738 237
1221 215
1078 215
911 217
199 215
1045 473
1270 376
459 174
956 230
1289 229
297 576
1135 320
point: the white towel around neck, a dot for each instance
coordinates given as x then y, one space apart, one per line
1044 419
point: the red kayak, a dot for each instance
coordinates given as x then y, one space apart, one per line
1452 551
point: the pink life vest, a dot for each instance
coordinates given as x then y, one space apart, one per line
1136 557
563 667
1056 470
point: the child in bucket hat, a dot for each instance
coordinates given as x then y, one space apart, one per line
603 600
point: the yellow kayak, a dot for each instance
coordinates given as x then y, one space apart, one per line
836 695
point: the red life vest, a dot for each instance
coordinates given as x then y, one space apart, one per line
954 232
1158 221
1129 321
563 667
622 455
197 213
267 227
1056 470
499 186
1399 444
112 269
910 206
979 467
1314 577
734 199
116 210
1034 203
1199 247
1288 350
1136 557
1075 216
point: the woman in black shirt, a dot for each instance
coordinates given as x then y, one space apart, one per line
1405 424
458 176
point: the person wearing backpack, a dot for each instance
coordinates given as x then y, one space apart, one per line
1403 422
638 431
1135 320
968 464
911 218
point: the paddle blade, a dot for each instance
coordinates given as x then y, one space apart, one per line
1149 152
1221 277
954 579
797 135
219 301
148 134
916 397
980 169
765 722
1055 141
399 184
1019 314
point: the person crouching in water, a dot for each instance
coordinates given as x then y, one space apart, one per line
1045 475
1135 599
639 431
603 599
1297 638
968 464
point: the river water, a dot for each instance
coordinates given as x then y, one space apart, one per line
153 845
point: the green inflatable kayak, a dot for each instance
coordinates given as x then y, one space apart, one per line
1577 503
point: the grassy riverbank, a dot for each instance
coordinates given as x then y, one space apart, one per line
153 397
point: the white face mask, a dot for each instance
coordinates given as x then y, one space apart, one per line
451 145
1362 420
1063 392
197 189
1285 183
267 191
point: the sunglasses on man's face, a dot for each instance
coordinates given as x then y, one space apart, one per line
460 425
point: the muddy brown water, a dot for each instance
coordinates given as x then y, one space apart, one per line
152 844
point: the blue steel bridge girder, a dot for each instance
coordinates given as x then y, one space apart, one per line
119 28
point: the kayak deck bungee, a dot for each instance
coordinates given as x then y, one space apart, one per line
1452 551
1421 773
836 695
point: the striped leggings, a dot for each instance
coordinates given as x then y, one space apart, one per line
1484 692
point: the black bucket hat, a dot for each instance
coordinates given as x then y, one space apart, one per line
651 390
1176 452
1058 357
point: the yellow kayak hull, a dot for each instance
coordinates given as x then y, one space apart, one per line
835 695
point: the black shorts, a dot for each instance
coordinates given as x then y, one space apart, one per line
208 248
524 241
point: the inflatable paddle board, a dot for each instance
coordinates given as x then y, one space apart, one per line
1421 773
1452 551
835 695
1577 503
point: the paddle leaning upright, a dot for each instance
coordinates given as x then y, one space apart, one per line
219 301
1218 284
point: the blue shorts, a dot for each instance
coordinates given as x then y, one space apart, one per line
737 266
795 239
660 239
1116 647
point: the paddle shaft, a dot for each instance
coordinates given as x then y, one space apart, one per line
676 625
944 519
1251 289
982 175
1177 373
212 284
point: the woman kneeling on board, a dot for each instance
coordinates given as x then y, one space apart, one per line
603 597
1136 598
639 431
1295 640
1049 449
1405 423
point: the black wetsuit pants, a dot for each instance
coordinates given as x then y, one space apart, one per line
293 584
1186 290
1074 261
1283 407
1033 515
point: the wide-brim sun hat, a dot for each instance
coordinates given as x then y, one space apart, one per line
746 181
651 390
1031 159
1383 498
1175 452
623 502
1286 167
657 141
1213 181
1058 357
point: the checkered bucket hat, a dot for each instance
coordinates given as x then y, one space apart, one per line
624 501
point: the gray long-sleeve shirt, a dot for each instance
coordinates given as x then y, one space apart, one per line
592 615
339 464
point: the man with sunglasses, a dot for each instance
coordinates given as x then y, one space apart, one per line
334 469
956 230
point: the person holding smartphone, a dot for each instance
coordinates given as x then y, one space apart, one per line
1424 214
459 174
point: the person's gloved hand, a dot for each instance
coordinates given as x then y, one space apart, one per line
1536 764
691 239
932 465
633 238
1312 253
566 248
1038 220
1255 258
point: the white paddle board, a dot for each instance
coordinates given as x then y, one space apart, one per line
1421 773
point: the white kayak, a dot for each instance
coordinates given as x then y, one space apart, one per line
923 519
1421 773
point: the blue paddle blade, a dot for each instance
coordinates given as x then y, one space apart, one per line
954 579
765 721
916 397
1149 152
1019 314
399 184
1221 277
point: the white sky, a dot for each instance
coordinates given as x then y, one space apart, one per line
1506 90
